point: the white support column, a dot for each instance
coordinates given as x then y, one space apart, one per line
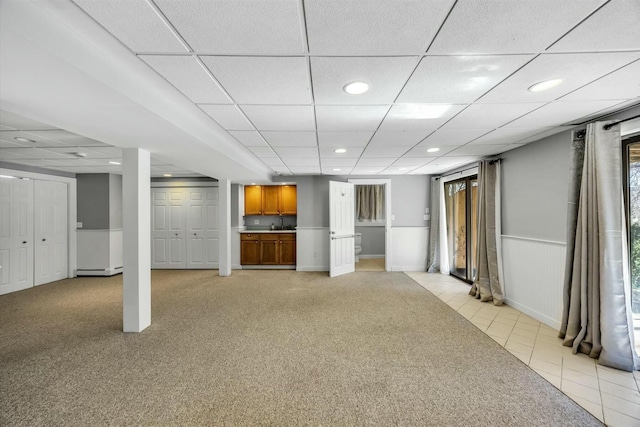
136 225
224 227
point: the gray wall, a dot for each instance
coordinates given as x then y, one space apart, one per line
237 191
534 189
409 199
93 200
115 201
373 240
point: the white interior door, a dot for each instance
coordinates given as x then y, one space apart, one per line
168 228
202 228
16 235
341 228
50 232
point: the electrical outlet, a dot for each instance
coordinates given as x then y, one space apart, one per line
256 222
393 217
425 217
426 210
78 225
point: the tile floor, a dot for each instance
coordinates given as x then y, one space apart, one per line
611 395
370 264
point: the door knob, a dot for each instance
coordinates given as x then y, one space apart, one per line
24 243
44 240
194 234
176 234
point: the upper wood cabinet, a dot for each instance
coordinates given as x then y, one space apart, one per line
270 200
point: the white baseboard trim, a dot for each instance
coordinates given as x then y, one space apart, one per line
99 272
408 268
236 267
553 323
371 256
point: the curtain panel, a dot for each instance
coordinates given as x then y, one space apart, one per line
433 254
370 202
597 318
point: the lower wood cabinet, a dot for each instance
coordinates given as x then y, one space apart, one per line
267 249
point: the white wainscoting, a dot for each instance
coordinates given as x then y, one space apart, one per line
312 249
235 248
409 248
99 252
534 277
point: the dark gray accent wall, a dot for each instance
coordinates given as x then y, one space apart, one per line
236 190
115 201
93 200
534 189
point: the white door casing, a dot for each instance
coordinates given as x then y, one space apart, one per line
341 228
50 231
202 228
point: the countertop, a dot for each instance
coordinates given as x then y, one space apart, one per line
267 231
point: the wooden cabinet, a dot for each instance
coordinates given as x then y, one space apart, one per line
267 249
270 200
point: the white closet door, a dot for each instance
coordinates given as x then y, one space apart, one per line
16 235
202 228
168 228
51 252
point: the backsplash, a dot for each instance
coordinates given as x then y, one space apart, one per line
265 221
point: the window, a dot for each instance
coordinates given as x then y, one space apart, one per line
370 203
631 147
461 210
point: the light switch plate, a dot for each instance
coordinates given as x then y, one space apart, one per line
78 225
393 217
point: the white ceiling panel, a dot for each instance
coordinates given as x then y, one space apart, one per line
281 117
396 170
576 70
375 162
559 113
297 152
613 27
489 116
421 151
227 116
14 121
366 170
89 153
378 151
446 137
273 161
506 135
9 144
509 26
327 152
291 139
263 151
411 162
545 134
330 170
453 161
338 162
398 139
293 162
262 80
477 150
418 117
188 76
610 87
249 138
305 170
344 139
239 27
66 138
135 23
376 27
384 75
458 79
31 153
350 118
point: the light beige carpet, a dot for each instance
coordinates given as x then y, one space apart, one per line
261 348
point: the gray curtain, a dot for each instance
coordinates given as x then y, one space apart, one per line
487 286
597 317
433 254
370 202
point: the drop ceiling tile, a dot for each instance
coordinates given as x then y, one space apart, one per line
350 118
412 162
489 116
272 161
506 135
450 162
458 79
227 116
9 144
249 138
610 87
546 133
30 153
416 117
445 137
262 152
336 170
281 117
297 152
421 151
305 170
262 80
89 152
338 162
380 27
377 151
291 139
14 121
344 139
135 24
238 27
428 170
395 170
375 162
385 76
66 138
188 76
364 170
477 150
575 69
509 26
613 27
558 113
104 151
398 139
326 152
293 162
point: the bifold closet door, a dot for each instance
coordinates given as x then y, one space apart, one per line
168 228
202 228
16 235
50 233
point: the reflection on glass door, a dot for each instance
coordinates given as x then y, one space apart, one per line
632 163
461 201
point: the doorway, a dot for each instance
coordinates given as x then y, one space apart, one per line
461 200
631 156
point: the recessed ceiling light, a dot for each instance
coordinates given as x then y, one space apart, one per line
402 169
545 85
253 183
356 88
21 139
166 174
432 150
340 150
336 169
114 163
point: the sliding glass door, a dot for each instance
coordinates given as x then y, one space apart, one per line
461 197
632 199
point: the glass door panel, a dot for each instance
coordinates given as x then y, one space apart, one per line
461 222
474 229
632 160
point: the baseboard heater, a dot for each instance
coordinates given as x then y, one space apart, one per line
98 272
